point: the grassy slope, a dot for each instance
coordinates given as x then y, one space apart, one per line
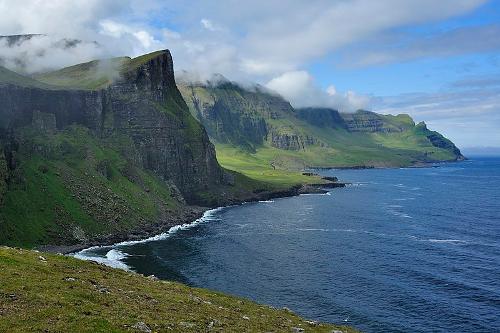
345 150
10 77
338 148
91 75
257 165
94 75
62 294
78 187
348 149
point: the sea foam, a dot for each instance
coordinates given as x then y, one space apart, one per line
114 257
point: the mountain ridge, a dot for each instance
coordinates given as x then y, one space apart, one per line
287 138
86 166
121 155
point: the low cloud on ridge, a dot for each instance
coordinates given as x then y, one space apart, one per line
225 37
301 90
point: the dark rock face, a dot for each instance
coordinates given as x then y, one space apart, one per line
144 105
232 114
322 117
230 127
147 106
19 104
365 121
3 174
290 141
437 140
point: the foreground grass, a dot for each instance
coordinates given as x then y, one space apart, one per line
50 293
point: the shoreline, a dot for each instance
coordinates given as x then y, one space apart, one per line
188 216
191 213
417 165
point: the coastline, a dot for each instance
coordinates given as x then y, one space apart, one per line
416 165
191 214
188 216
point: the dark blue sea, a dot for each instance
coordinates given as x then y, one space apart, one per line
400 250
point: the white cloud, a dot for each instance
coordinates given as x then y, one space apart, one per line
301 90
331 90
300 32
406 47
267 37
97 29
263 41
122 31
209 25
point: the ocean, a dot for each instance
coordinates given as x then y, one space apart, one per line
399 250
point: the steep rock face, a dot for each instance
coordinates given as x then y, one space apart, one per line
227 126
244 117
370 122
147 106
289 141
19 104
232 114
322 117
437 140
144 105
3 174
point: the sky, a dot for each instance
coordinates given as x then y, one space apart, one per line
438 61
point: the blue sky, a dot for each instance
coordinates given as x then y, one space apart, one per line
438 61
422 74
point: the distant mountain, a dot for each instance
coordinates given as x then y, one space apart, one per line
253 124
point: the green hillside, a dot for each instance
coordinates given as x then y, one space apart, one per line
70 187
8 77
80 167
50 293
259 133
96 74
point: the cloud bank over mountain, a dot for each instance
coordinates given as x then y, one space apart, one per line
267 42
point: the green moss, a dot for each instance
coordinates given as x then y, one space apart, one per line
70 181
259 166
141 60
96 74
91 75
63 294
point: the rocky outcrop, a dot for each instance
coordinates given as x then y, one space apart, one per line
371 122
20 104
290 141
437 140
143 104
147 106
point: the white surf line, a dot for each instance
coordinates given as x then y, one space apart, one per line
114 257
